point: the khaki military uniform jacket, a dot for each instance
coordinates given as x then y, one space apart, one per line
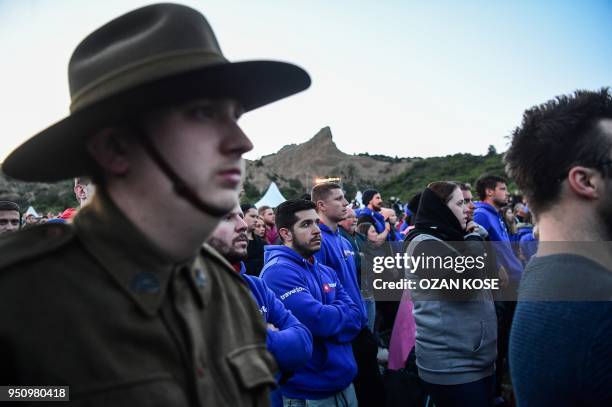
95 306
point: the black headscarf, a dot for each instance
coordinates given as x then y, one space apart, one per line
435 218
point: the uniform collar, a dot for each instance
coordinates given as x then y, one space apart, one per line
138 266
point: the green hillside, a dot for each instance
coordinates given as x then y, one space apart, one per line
43 197
458 167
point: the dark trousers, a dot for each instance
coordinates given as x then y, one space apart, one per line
505 313
480 393
386 311
368 383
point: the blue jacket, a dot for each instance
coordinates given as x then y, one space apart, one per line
529 245
488 217
316 297
338 254
380 225
291 345
379 220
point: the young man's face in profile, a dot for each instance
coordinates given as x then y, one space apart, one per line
468 201
269 217
203 143
376 202
500 194
336 205
251 217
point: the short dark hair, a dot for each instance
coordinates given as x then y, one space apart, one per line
8 206
246 206
321 192
487 181
464 186
443 189
555 136
285 212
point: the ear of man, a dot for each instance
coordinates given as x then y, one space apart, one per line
585 182
320 205
110 148
285 235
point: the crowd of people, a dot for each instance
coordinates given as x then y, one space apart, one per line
16 220
347 236
162 288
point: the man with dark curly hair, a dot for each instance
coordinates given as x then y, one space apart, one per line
561 344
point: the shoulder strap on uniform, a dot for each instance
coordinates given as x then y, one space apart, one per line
33 242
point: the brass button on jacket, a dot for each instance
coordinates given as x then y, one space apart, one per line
91 306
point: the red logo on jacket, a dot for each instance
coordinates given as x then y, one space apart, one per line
327 287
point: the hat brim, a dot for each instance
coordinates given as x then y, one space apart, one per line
59 151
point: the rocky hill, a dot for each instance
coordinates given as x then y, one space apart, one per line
296 166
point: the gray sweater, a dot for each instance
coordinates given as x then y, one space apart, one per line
456 340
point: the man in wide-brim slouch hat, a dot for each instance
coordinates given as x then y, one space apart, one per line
125 305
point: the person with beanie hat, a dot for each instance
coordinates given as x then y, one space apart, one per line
371 213
367 196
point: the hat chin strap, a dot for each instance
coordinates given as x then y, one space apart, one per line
180 187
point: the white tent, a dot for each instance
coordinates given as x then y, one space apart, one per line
271 198
31 211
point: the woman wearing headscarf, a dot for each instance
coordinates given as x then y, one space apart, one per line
456 329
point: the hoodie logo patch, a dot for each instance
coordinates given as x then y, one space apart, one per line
293 291
327 287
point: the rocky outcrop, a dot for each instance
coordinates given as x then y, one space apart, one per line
320 157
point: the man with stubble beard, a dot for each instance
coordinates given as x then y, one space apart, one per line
315 295
561 344
289 341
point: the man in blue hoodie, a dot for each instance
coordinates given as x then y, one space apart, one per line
493 194
288 340
338 254
372 201
315 295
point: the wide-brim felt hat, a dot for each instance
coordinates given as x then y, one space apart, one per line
157 55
